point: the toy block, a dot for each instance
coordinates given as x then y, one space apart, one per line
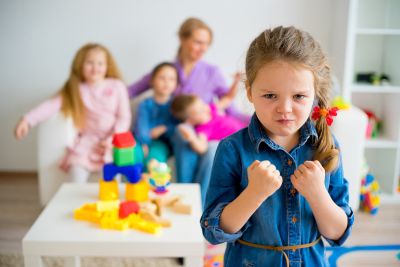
109 171
157 202
131 172
123 156
150 216
114 224
108 205
88 212
181 208
122 140
108 190
128 207
146 226
167 200
137 192
147 206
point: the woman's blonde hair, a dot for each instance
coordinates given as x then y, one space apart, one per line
72 104
189 26
299 47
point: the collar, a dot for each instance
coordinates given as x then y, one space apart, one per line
258 135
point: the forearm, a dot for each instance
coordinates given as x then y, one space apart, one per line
198 145
237 213
331 219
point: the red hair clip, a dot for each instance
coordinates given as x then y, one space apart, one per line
323 112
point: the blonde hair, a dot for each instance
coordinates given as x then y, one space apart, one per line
72 104
189 26
180 105
296 46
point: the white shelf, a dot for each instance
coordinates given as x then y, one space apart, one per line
390 198
367 88
377 31
381 143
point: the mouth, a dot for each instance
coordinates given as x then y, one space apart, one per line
285 121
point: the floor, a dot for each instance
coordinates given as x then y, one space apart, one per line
19 207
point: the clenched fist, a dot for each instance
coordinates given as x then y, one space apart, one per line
309 179
264 179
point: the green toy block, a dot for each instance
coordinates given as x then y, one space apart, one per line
123 156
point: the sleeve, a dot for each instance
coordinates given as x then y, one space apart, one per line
44 111
123 113
142 125
139 86
224 188
339 192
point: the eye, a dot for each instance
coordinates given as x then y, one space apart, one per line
270 96
299 97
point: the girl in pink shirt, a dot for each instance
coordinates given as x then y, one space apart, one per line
208 120
97 101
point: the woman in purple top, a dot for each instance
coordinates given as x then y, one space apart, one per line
199 78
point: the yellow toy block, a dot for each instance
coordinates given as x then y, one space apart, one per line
107 205
88 213
114 224
138 192
108 190
146 226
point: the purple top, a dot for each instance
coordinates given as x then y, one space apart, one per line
220 126
205 81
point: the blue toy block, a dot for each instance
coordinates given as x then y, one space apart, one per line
131 172
109 171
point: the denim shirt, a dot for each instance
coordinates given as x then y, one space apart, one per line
283 219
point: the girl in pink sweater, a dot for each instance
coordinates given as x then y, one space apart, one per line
97 101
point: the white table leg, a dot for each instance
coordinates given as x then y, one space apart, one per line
73 261
193 262
33 261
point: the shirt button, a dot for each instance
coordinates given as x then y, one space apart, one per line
294 219
289 162
293 191
205 223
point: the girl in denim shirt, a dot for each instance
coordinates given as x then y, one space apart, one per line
277 186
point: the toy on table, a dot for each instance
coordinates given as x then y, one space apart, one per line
159 176
369 195
138 211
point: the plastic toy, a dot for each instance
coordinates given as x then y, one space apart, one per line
369 195
214 261
374 124
159 177
340 103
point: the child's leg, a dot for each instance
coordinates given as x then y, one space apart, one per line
185 159
158 150
78 174
203 172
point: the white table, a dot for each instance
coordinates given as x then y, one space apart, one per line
57 233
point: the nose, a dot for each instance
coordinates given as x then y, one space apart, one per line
284 106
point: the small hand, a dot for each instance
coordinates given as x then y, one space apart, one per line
157 131
21 129
187 132
264 179
309 178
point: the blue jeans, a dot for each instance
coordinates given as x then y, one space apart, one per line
192 167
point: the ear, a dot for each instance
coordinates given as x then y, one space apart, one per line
248 91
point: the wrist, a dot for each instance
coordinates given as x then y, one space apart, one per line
252 197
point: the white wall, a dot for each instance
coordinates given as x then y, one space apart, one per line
39 39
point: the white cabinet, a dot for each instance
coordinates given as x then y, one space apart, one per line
371 43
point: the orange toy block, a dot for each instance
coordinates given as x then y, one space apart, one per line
137 192
108 190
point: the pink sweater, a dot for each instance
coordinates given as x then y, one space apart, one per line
107 112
